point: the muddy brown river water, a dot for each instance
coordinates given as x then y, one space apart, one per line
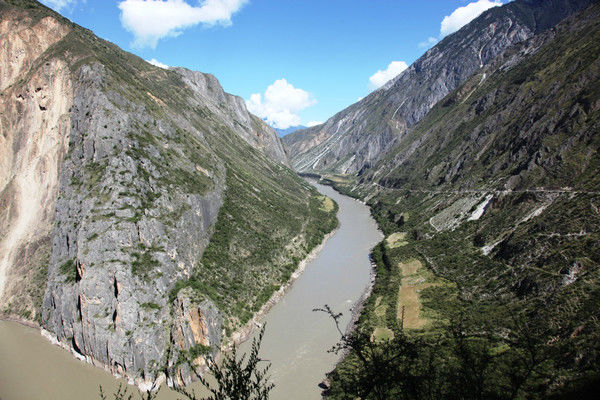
296 338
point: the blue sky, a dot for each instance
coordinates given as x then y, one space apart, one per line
293 61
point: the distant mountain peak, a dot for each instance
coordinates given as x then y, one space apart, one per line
287 131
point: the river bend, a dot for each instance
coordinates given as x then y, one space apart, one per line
296 339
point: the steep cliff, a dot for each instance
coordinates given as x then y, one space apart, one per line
126 192
357 136
258 134
34 123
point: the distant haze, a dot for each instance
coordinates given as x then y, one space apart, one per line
287 131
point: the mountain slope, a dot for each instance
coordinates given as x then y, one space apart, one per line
129 194
357 136
494 195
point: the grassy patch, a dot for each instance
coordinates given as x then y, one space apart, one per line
382 334
380 309
150 306
328 204
396 239
410 267
143 264
69 270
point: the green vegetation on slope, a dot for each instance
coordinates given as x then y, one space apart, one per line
514 311
270 218
260 237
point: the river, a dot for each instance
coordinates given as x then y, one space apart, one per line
296 338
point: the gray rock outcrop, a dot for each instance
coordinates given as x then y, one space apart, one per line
122 237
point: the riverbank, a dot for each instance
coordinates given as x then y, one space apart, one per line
24 322
243 334
239 337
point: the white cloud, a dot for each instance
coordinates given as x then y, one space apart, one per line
314 123
379 78
428 43
157 63
58 5
463 15
152 20
280 104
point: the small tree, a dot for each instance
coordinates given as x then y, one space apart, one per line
401 368
385 370
236 381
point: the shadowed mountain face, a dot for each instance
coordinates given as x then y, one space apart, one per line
359 135
136 200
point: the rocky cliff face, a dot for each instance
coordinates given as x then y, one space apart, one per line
126 226
34 127
114 174
359 135
233 108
